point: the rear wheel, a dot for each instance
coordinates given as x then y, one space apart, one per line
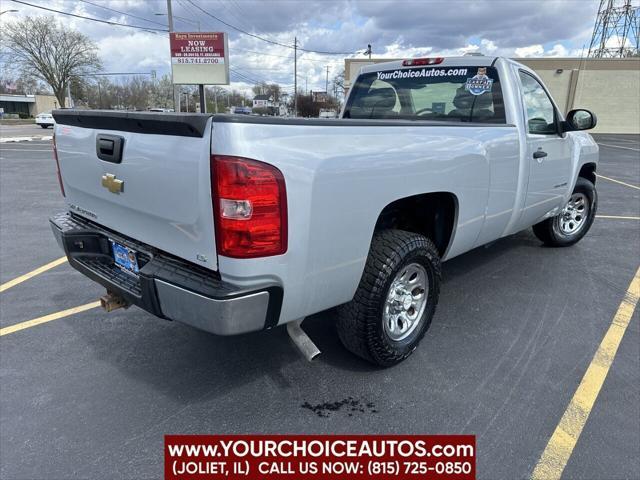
575 219
395 301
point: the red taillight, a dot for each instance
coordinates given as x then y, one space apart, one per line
250 207
415 62
55 155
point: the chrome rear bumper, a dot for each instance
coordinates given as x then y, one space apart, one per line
166 286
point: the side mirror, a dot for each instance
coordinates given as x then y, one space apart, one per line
579 119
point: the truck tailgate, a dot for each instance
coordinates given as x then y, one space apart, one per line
165 197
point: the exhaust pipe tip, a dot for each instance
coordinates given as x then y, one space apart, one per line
112 301
302 341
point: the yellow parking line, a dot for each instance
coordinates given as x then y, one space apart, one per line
564 438
616 217
618 181
47 318
27 276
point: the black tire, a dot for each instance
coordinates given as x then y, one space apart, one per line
44 126
360 322
549 231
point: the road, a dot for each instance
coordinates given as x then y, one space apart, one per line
31 130
91 395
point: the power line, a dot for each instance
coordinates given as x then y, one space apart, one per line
252 80
261 53
91 18
300 57
233 14
122 13
237 28
257 36
273 42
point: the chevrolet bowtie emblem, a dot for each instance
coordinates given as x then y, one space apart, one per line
111 183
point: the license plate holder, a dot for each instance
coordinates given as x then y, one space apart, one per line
125 258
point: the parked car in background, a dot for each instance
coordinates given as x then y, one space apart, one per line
327 113
45 120
242 110
236 223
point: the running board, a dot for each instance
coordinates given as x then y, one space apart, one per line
302 341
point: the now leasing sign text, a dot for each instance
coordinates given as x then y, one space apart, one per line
199 58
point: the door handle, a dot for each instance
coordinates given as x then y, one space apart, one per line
109 147
538 154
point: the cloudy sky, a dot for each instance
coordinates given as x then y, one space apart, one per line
517 28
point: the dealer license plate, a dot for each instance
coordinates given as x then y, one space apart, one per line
125 258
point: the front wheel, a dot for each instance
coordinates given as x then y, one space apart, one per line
575 219
395 300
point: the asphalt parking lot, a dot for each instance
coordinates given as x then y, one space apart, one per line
24 130
90 395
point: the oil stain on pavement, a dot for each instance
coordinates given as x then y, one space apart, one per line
350 405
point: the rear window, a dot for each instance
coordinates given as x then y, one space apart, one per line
461 94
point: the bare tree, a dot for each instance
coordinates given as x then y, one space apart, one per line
271 89
338 83
52 52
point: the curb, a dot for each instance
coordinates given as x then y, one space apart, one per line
24 139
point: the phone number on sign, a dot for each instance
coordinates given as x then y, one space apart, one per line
196 61
419 468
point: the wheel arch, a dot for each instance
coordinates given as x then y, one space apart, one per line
588 171
433 215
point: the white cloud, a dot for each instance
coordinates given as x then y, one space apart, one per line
530 51
558 50
487 46
395 29
136 51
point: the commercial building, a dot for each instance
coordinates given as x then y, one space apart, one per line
610 87
30 105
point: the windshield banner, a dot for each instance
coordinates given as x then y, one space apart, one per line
422 72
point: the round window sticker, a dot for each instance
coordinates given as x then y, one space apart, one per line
479 83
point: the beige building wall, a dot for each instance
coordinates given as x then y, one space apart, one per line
44 103
609 87
614 96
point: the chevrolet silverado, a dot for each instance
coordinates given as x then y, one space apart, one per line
235 223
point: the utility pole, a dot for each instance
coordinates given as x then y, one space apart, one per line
176 94
295 77
368 51
203 105
326 84
69 93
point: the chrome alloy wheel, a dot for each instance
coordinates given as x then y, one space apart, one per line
406 301
574 214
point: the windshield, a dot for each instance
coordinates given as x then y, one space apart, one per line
461 94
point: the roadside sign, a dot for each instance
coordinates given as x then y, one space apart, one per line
199 58
319 97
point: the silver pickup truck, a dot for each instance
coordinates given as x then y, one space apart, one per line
234 224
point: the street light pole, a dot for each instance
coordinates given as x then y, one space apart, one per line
295 77
176 95
326 83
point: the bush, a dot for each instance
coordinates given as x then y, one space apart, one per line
24 116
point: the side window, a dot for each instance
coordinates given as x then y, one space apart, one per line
540 112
